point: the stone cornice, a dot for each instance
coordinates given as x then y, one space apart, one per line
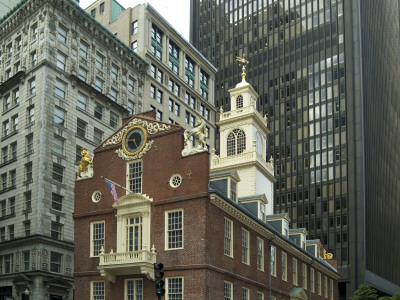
265 232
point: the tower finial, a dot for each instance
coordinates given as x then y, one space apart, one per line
243 61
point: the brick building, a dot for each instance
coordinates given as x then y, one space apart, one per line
209 226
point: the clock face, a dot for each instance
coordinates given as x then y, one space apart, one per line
134 140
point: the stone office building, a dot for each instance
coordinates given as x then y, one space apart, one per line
180 81
65 83
211 233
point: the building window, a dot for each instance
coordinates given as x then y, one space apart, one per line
60 89
82 74
27 260
11 232
236 142
93 13
134 46
16 96
159 96
31 114
82 101
228 290
174 227
56 201
156 41
99 61
294 267
319 284
134 233
97 136
260 254
28 172
239 101
56 230
312 280
113 120
34 30
331 289
305 276
203 84
58 172
131 108
32 86
134 27
27 228
29 143
81 128
4 155
228 237
189 72
14 121
11 202
62 34
55 262
14 150
6 128
98 85
83 49
131 85
160 76
7 263
174 288
134 289
102 8
158 115
59 116
7 102
33 58
245 293
173 57
114 72
273 261
135 177
113 95
61 60
245 246
58 145
325 287
98 111
260 296
177 109
97 236
97 290
28 200
284 266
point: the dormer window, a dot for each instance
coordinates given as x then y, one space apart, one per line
236 142
233 191
239 101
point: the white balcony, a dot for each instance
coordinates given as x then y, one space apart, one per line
127 263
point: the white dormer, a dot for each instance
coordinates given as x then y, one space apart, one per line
243 145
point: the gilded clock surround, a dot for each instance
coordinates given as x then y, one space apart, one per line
139 147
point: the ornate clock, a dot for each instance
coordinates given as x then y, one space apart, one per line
134 140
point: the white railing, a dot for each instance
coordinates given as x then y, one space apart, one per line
125 257
236 112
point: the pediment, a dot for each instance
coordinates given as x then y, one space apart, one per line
58 282
298 294
22 279
132 200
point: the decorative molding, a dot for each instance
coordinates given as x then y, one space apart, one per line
146 148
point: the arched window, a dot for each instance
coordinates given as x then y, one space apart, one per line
239 101
236 142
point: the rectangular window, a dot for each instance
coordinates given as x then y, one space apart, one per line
305 276
83 49
159 96
6 128
295 279
134 46
284 266
14 150
27 228
174 227
273 261
325 287
60 89
81 128
228 290
16 96
174 288
28 200
331 289
260 254
134 289
156 41
97 236
82 101
99 61
34 30
31 114
245 293
32 86
59 116
260 296
152 92
58 145
134 27
97 290
98 111
56 201
173 57
160 76
11 204
177 109
319 284
8 263
98 85
62 34
27 260
204 84
245 246
29 143
61 60
3 205
4 155
228 237
56 230
312 280
7 101
102 8
82 74
114 72
113 95
189 72
97 136
11 232
113 120
58 172
131 85
131 108
55 262
28 172
14 121
135 177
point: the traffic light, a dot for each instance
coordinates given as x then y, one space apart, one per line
159 279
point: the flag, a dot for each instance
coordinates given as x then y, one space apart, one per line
111 187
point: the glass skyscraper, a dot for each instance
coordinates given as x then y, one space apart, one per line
327 72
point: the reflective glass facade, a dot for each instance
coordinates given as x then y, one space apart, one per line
307 63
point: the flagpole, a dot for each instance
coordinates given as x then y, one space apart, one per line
122 187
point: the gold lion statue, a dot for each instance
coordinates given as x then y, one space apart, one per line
84 163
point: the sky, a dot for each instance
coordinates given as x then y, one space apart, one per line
176 12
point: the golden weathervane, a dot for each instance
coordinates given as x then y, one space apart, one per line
244 62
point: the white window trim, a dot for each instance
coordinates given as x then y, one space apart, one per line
126 286
273 271
262 255
247 262
166 229
295 272
167 286
284 266
91 288
231 285
231 236
91 236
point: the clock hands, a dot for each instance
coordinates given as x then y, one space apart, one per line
134 140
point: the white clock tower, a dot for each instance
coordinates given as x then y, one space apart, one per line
243 136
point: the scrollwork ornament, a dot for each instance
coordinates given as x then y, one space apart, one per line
146 148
